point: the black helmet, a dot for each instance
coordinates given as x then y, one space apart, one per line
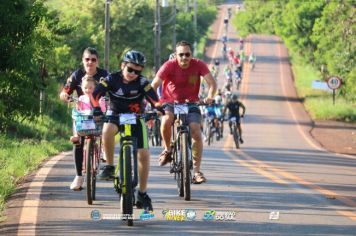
234 97
135 57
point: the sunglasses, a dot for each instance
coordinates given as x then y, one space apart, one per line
90 59
187 54
131 70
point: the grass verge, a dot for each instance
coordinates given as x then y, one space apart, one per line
319 103
19 156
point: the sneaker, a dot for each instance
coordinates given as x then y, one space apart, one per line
241 141
199 178
144 201
77 183
107 173
164 158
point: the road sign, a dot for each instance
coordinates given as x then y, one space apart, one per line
334 82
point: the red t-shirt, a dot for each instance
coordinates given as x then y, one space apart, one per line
180 84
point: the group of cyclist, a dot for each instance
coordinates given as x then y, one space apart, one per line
179 79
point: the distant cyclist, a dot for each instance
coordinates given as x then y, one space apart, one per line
234 106
252 60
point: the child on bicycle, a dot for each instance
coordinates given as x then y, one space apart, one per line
83 105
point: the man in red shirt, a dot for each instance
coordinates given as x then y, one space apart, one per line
180 80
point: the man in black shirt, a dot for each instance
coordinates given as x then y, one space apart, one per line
90 62
234 106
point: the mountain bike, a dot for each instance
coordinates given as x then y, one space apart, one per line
91 130
182 163
154 132
126 174
235 131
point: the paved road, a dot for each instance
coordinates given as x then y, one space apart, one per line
278 170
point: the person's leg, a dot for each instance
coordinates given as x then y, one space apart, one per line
78 162
143 158
108 138
143 168
166 133
197 145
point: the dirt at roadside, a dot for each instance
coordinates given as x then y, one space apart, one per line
336 136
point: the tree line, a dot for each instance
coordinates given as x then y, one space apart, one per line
321 31
42 43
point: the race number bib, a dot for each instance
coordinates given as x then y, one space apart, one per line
88 124
181 109
127 119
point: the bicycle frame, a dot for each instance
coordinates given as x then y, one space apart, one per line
182 163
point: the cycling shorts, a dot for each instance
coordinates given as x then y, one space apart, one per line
194 115
138 131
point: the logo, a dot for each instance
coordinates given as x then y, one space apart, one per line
225 215
95 215
174 215
190 214
209 215
146 215
119 92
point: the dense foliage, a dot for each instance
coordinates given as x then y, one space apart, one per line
42 42
322 31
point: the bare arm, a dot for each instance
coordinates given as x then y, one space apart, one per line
156 82
212 86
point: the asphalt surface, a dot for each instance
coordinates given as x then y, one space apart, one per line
280 182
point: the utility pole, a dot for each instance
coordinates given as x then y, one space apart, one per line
157 29
174 41
107 34
195 27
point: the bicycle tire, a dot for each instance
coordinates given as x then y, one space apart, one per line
157 133
127 192
185 166
210 135
236 136
95 167
178 174
89 153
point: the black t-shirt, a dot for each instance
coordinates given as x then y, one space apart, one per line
75 80
126 97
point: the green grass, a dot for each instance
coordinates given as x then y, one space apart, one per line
25 147
319 103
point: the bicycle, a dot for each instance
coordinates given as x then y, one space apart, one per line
235 131
91 130
154 133
182 163
126 173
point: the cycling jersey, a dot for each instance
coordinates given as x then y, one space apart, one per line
234 108
75 80
125 97
181 84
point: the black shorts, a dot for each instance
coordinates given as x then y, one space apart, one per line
138 131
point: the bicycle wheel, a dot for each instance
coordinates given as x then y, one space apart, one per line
156 132
185 165
209 133
236 136
95 167
127 192
177 162
89 156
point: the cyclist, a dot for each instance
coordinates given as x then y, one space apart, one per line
252 60
234 106
180 81
90 60
127 89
